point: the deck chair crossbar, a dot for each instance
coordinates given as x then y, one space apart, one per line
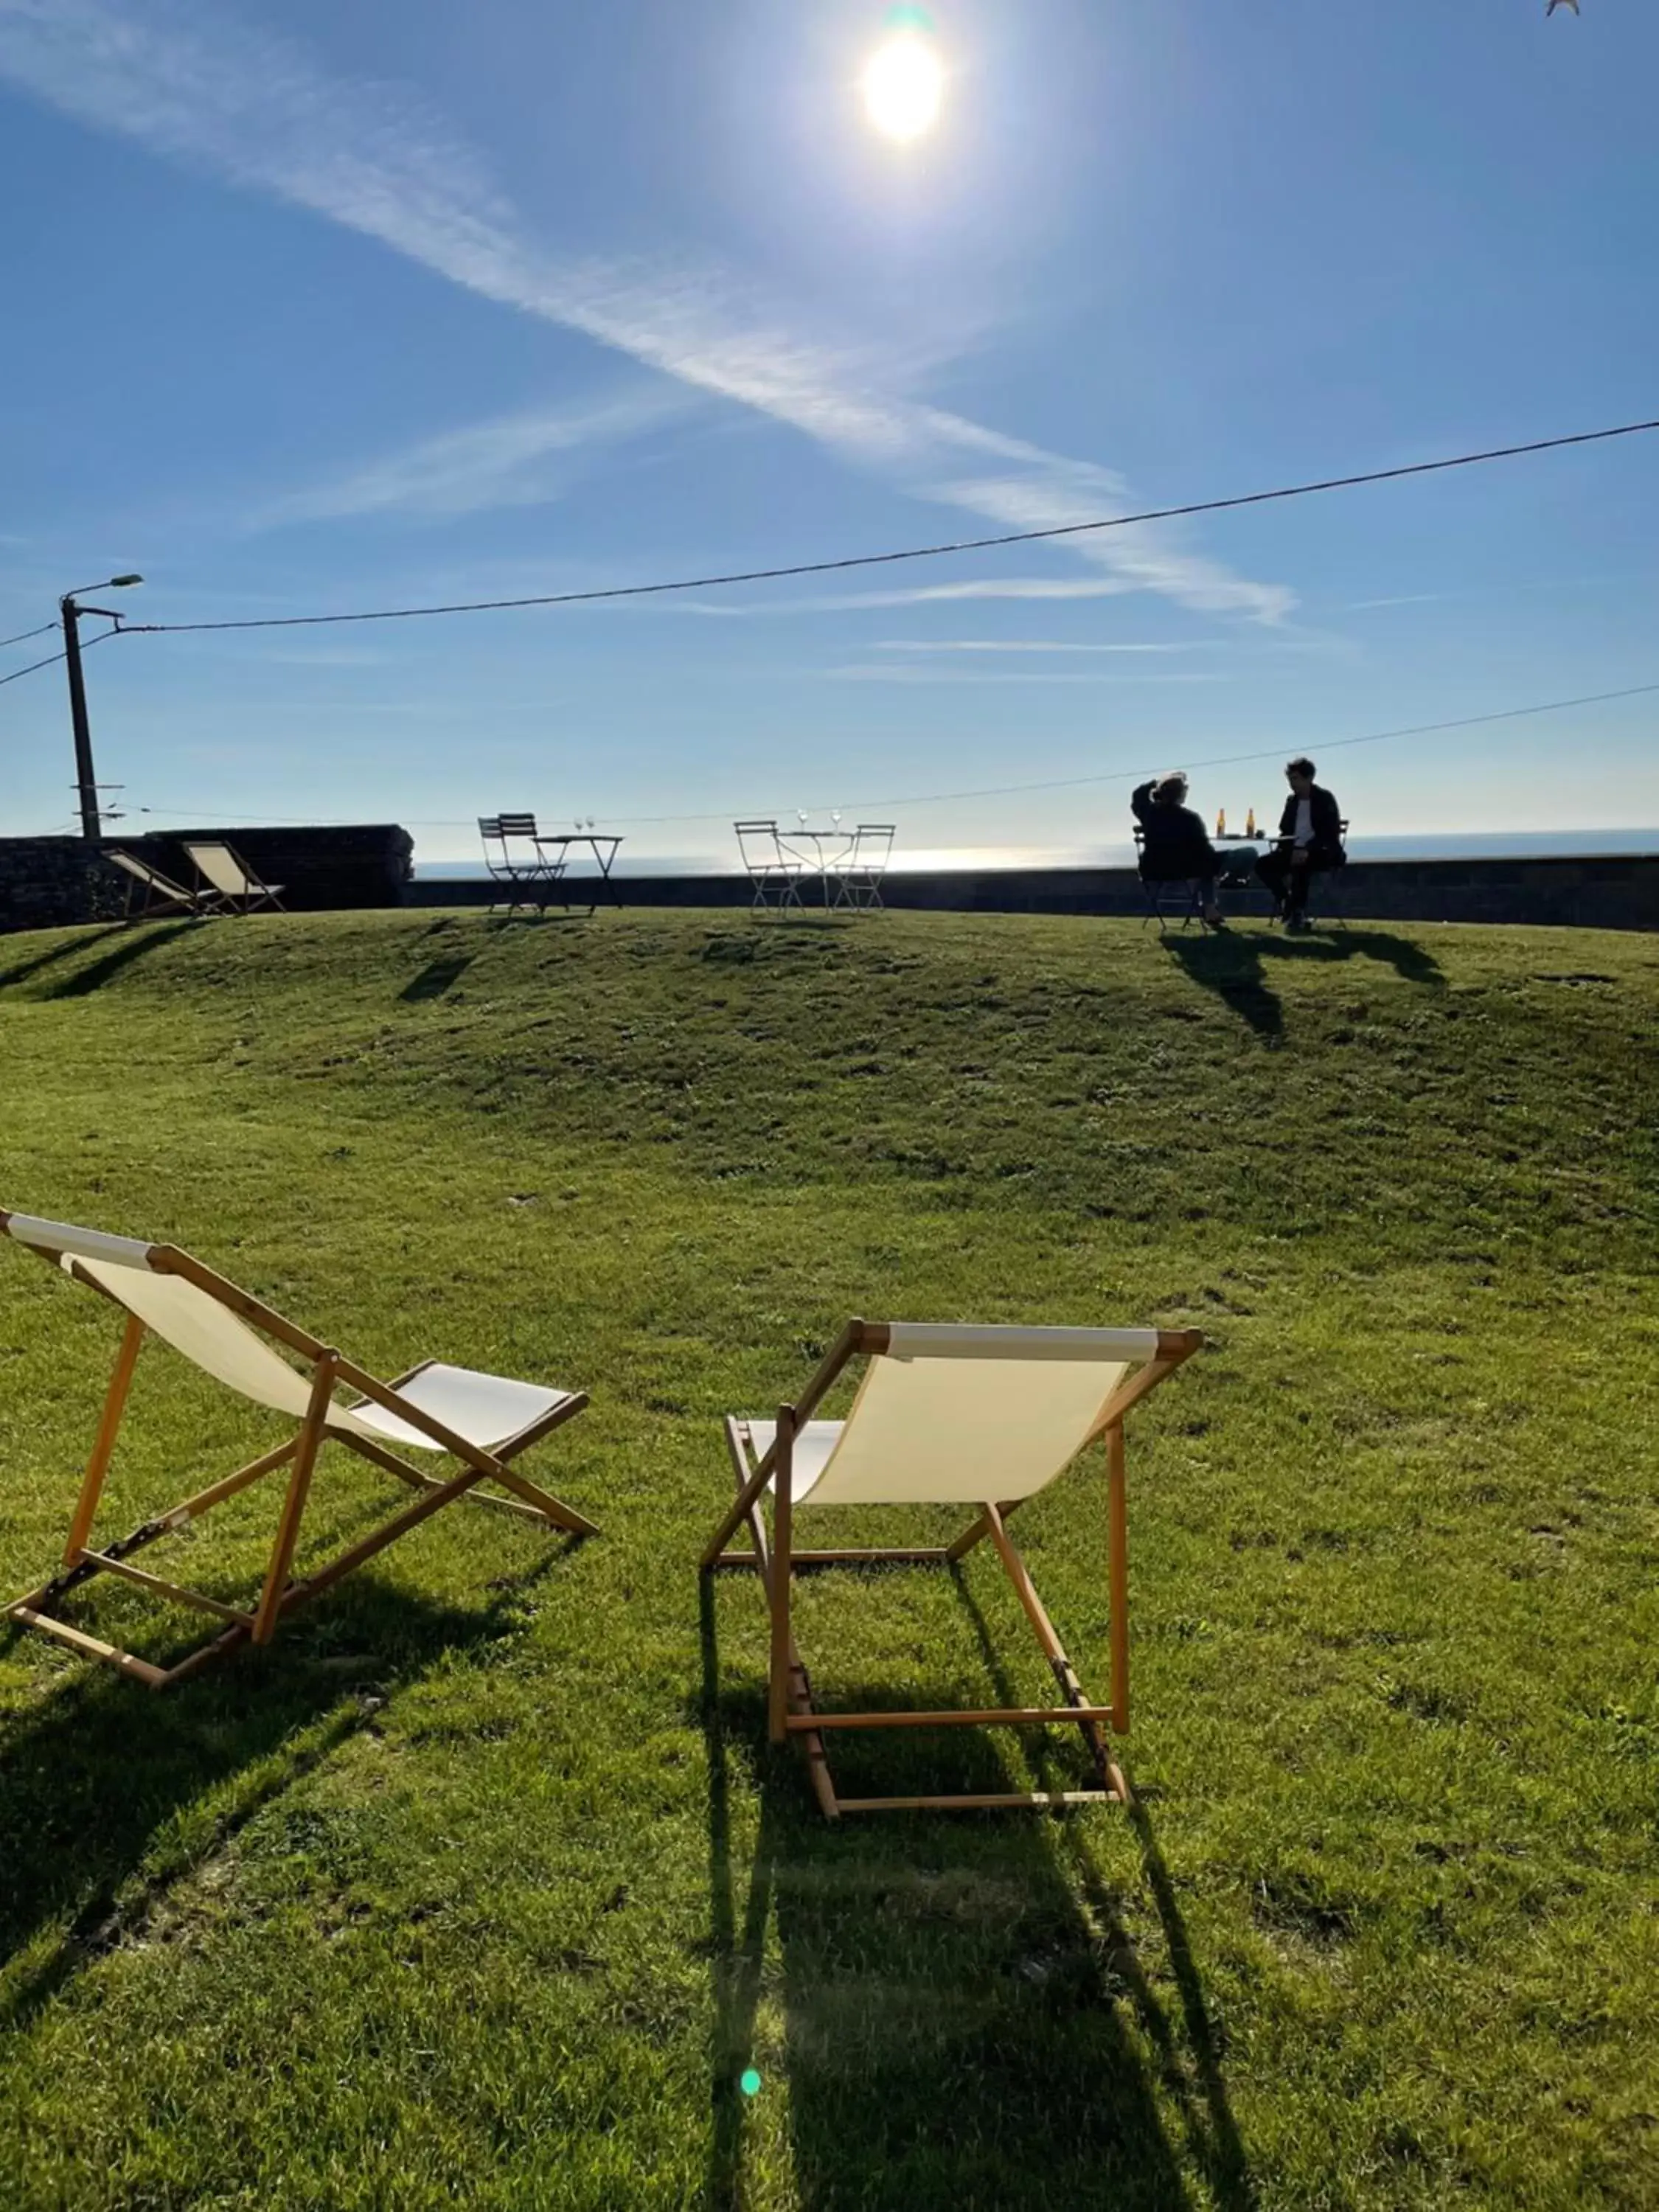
897 1446
483 1421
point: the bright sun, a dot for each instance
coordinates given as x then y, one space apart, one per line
904 85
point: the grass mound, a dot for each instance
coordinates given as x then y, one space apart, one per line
482 1886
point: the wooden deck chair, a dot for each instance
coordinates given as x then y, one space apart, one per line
161 893
944 1414
231 884
485 1421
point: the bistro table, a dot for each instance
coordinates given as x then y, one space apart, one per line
830 850
603 847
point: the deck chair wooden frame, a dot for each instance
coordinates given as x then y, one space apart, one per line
161 893
221 1329
1142 1358
231 886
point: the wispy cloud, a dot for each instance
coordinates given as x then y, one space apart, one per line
898 673
1401 600
250 106
1034 645
919 595
513 460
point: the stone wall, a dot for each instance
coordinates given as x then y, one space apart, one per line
46 882
50 882
1617 892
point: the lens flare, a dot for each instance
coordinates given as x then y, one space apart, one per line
903 87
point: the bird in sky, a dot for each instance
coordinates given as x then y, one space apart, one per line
1554 4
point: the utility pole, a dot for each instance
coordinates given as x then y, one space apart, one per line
86 776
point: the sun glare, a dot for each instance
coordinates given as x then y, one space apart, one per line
904 85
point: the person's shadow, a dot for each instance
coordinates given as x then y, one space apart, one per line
1235 964
962 2016
99 1781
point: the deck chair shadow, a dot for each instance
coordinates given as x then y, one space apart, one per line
485 1421
161 895
985 1418
232 887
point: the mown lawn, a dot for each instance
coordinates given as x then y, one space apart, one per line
483 1887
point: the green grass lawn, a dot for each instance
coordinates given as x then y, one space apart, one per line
483 1887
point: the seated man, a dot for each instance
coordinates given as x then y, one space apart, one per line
1309 838
1176 847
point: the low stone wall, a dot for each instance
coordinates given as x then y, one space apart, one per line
52 882
1615 892
47 882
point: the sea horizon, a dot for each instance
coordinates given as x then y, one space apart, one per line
934 859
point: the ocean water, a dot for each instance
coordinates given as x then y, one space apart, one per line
1492 845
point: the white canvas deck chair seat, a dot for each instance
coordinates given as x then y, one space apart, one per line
984 1418
485 1421
161 893
232 885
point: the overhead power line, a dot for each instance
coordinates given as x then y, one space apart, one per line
24 636
52 659
1010 790
915 552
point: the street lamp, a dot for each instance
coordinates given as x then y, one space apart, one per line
86 778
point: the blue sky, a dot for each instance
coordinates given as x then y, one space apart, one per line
310 308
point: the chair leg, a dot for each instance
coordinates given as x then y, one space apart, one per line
1054 1651
782 1570
103 1449
293 1506
1117 1549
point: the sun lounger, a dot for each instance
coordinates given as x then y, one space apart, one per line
233 885
954 1415
485 1421
160 893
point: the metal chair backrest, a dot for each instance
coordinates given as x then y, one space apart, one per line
499 830
873 849
861 868
758 843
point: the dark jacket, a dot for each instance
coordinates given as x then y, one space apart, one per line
1175 842
1326 851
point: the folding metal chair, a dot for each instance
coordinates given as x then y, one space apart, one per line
1325 905
955 1415
519 862
485 1421
860 872
773 874
1167 895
